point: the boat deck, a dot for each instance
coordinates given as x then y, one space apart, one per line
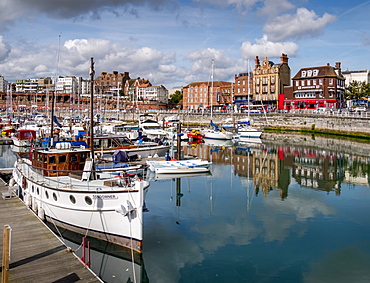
106 179
36 254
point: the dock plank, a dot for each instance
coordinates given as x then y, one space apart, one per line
37 255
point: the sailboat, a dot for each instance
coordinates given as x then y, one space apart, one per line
215 132
63 187
245 129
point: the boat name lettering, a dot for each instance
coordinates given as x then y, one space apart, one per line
105 197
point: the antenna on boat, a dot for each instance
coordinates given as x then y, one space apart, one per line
53 98
91 145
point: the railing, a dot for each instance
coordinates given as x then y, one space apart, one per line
37 175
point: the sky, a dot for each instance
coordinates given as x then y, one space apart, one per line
173 42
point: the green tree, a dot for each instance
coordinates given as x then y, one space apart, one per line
176 97
356 90
353 90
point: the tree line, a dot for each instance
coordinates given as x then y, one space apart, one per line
357 90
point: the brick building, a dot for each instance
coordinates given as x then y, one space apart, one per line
269 79
200 95
243 88
111 83
316 87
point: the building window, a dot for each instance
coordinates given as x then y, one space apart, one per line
331 81
296 83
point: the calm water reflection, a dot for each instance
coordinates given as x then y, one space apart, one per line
269 212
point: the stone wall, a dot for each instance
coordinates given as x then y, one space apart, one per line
353 124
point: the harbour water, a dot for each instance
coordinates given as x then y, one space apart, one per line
269 212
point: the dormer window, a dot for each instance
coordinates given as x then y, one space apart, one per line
303 73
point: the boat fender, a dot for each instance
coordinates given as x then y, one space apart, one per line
34 204
28 200
41 213
11 182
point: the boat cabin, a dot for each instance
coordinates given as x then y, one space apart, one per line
108 143
26 134
60 161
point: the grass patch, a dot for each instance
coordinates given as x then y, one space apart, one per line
357 136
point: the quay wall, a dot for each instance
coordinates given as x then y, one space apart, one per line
346 124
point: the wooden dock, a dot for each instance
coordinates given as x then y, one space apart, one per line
36 254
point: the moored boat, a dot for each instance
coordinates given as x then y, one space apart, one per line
24 138
63 186
179 166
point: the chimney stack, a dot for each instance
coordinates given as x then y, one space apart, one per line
284 59
256 63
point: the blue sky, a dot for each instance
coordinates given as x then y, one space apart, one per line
173 42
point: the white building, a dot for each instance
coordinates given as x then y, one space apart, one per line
360 76
3 84
29 86
66 85
154 93
83 86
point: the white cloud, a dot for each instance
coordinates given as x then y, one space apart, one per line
303 24
242 6
273 7
264 47
4 49
224 66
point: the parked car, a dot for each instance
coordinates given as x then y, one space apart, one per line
360 109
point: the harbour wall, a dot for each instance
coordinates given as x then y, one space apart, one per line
346 124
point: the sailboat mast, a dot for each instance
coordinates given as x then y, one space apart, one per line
249 90
53 97
213 62
92 73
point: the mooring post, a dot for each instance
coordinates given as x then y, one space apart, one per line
6 254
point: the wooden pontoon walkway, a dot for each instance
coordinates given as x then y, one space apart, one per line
36 254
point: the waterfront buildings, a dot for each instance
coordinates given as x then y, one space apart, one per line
200 95
316 87
267 83
270 79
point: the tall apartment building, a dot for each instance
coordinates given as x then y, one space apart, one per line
314 87
66 85
28 86
200 95
83 86
3 84
45 85
269 79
